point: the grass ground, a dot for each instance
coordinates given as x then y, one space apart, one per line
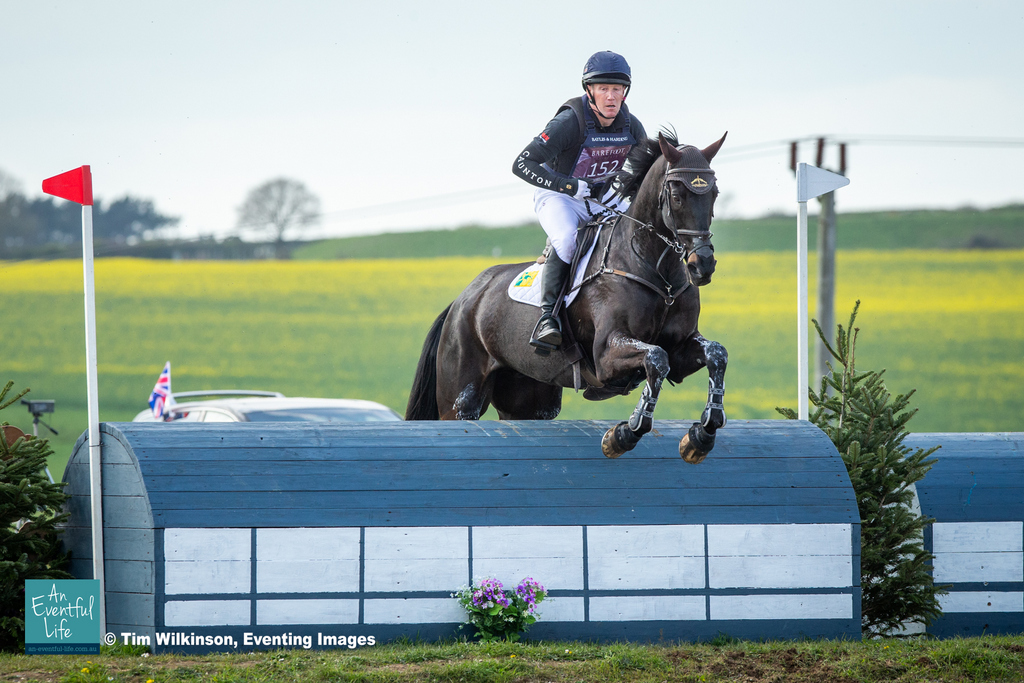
977 659
924 229
950 324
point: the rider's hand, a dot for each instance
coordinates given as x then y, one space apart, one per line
582 190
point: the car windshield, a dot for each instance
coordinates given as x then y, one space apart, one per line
322 415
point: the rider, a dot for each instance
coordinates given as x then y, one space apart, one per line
576 157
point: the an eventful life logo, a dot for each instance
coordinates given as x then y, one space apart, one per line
62 617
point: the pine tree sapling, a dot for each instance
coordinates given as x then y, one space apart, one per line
30 509
868 427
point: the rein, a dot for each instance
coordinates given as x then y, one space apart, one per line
665 290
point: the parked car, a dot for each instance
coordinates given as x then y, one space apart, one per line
267 406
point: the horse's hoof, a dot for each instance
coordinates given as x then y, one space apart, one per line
612 446
696 444
691 453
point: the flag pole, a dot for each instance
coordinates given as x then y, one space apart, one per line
76 186
811 182
801 311
91 382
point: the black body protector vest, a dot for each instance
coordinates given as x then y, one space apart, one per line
599 156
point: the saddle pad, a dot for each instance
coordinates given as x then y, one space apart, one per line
528 286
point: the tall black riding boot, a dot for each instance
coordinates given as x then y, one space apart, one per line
548 333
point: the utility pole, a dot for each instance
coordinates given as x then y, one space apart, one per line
827 241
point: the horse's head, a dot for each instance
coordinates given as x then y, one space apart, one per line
686 202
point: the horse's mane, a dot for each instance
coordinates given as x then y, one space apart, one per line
641 158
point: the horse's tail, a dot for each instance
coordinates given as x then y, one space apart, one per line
423 396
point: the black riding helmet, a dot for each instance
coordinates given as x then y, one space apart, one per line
606 67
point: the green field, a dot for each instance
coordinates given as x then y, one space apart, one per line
925 229
950 324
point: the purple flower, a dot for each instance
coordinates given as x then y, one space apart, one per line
530 591
490 593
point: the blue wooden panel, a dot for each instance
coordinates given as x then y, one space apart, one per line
128 576
469 473
977 624
252 476
239 501
606 514
224 463
979 478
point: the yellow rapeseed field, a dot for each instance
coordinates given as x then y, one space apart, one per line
950 324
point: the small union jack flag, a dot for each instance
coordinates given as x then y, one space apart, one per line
158 399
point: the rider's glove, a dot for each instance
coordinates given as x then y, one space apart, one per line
582 190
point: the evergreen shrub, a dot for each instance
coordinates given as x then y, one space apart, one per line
30 510
868 427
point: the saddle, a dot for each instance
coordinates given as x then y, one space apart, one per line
583 372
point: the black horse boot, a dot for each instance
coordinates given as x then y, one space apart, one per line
547 335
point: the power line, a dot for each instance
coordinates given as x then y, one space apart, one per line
770 146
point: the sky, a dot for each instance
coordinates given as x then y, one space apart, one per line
408 115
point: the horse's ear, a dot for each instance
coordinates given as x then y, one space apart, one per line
711 150
668 150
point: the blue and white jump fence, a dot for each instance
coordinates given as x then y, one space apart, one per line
262 535
975 492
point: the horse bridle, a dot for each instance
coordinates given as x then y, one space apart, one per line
666 290
671 244
664 191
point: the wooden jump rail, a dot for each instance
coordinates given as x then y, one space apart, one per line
338 530
975 492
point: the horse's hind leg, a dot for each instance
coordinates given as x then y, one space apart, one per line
700 438
463 383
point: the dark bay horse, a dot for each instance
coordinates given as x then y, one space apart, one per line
635 318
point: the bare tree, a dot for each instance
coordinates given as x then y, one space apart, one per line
277 206
8 185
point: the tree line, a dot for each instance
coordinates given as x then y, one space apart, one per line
29 225
44 226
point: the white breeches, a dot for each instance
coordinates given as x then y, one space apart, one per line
561 216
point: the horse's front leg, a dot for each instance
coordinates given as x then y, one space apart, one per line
695 353
622 355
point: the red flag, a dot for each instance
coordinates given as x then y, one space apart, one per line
75 186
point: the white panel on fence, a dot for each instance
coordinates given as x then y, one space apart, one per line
561 609
207 544
977 537
780 571
834 606
207 613
552 555
970 601
307 560
637 557
975 567
779 539
780 556
286 612
294 545
207 561
416 558
413 611
648 608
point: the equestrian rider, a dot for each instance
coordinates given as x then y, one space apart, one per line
576 157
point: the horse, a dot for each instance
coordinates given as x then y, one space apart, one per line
635 318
